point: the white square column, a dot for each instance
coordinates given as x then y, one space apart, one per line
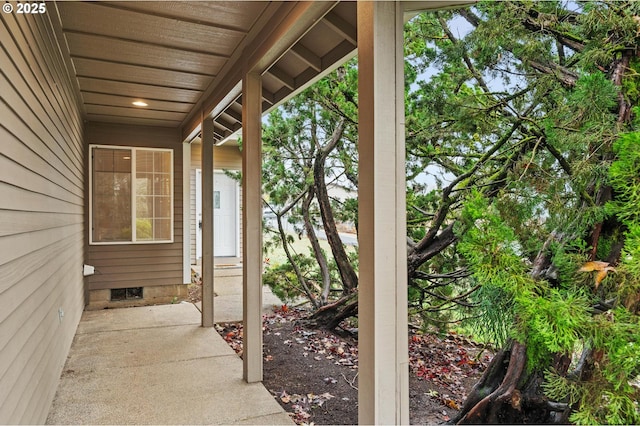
186 212
383 383
207 222
252 226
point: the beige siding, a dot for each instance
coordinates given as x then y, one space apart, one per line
138 265
225 158
41 217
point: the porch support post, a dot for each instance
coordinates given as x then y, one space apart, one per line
186 212
252 225
382 310
207 222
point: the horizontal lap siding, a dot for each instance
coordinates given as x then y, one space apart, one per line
225 158
41 216
138 265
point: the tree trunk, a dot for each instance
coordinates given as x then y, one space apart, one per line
330 316
317 250
347 273
619 68
292 262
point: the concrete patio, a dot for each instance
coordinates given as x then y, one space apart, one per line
157 365
228 300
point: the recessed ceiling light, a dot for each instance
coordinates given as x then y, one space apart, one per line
140 103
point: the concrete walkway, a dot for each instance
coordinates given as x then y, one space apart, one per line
156 365
227 305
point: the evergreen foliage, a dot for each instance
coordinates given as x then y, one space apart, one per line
297 139
523 187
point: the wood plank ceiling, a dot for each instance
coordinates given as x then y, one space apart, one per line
173 55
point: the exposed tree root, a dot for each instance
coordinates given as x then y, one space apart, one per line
508 394
489 408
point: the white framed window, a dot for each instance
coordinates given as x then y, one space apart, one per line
130 195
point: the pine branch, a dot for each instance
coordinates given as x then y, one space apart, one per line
471 18
565 39
564 75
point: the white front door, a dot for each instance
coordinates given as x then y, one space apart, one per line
198 214
225 215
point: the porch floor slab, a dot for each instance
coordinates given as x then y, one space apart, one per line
227 304
156 365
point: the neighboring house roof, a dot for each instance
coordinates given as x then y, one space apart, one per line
341 192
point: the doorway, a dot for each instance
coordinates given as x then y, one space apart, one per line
225 215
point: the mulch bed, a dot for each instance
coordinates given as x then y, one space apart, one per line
313 373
